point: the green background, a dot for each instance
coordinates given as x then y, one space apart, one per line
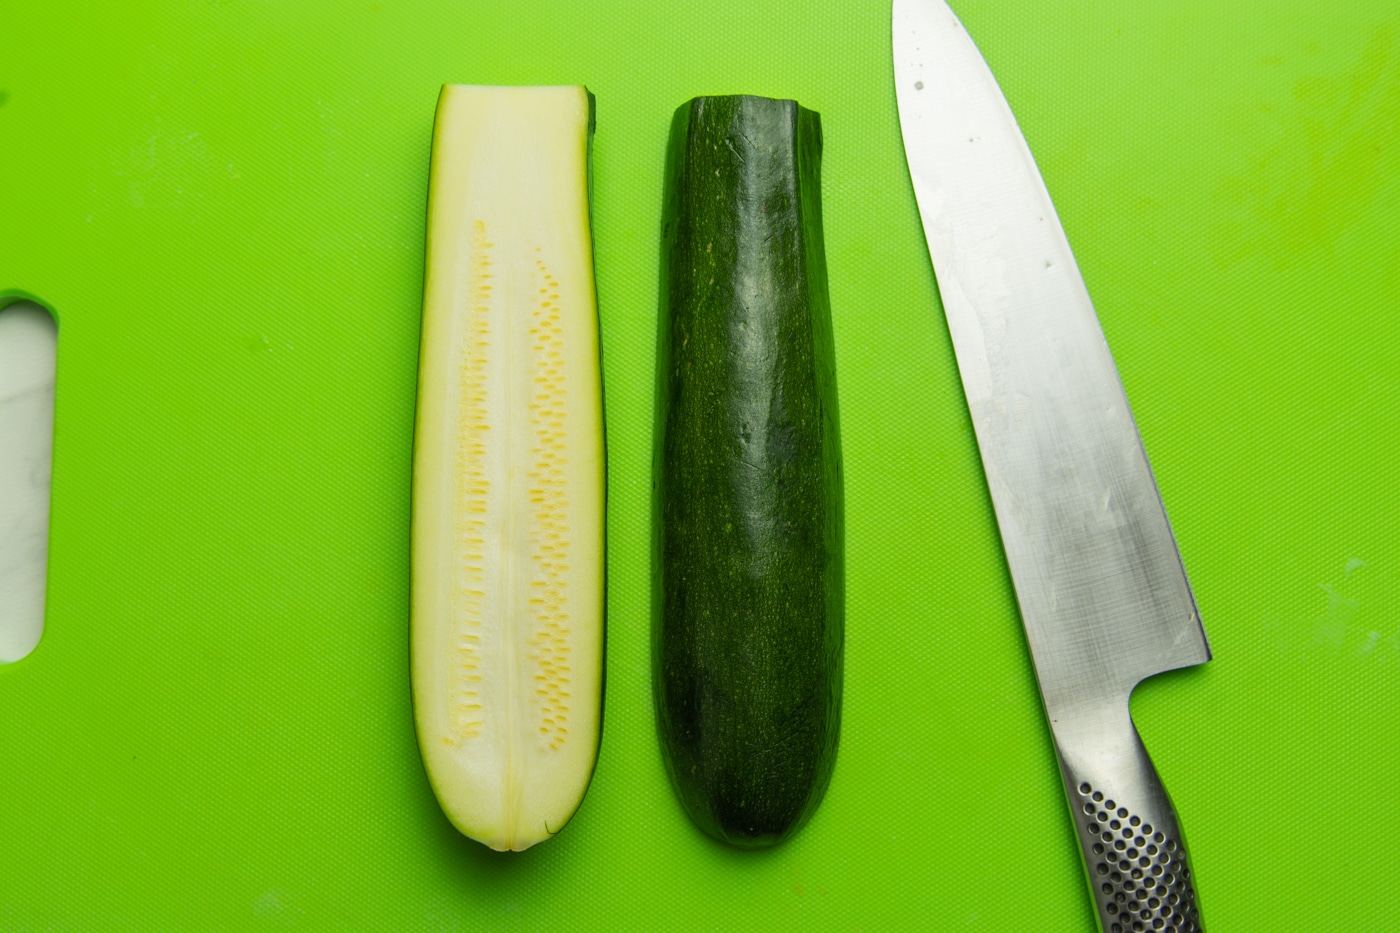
223 203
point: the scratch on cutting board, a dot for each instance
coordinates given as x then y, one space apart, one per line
1340 145
1362 616
274 904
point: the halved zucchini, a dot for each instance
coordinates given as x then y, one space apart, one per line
508 467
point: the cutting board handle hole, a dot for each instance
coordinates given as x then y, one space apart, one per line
28 347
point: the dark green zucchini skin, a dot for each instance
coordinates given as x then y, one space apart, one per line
749 591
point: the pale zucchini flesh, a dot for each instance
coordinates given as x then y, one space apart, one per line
507 598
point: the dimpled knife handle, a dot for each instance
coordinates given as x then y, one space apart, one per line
1134 851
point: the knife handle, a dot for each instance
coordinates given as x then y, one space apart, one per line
1134 851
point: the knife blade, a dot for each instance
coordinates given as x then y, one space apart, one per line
1102 591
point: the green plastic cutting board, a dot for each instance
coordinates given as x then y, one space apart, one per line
223 202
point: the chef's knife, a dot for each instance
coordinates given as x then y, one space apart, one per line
1102 591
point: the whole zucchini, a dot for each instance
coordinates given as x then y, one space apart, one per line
749 621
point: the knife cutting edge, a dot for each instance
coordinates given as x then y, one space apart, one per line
1100 584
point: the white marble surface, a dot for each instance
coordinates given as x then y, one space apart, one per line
28 339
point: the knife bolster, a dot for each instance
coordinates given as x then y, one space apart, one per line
1131 842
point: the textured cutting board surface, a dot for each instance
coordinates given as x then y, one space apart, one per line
223 204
